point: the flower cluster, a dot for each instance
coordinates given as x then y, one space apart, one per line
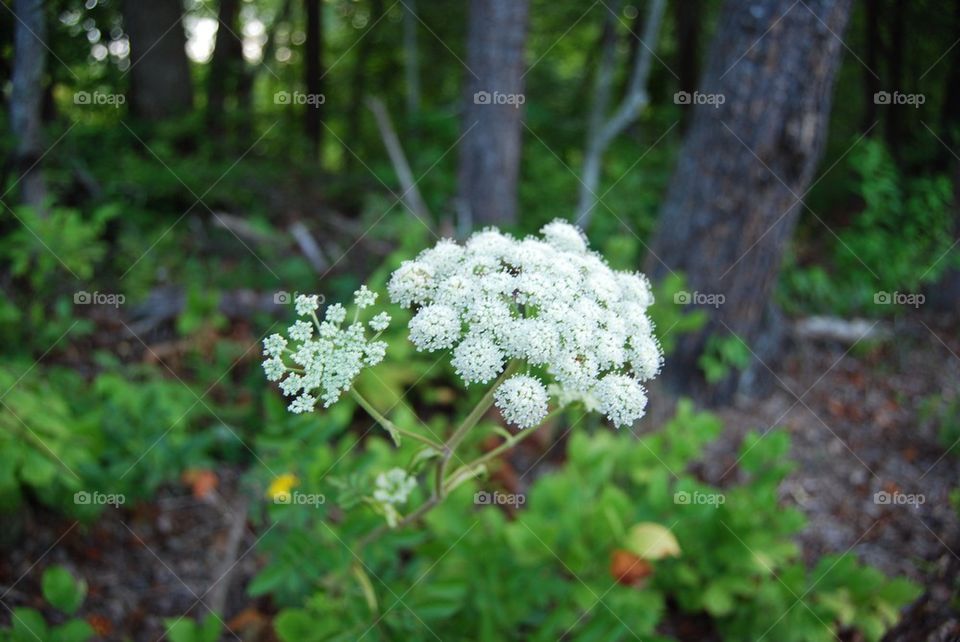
548 301
326 356
393 487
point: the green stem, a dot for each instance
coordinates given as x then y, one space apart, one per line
389 425
506 445
450 447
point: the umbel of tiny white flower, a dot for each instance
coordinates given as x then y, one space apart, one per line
393 487
548 301
320 360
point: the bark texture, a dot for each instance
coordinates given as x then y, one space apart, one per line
226 66
490 150
733 201
159 73
26 98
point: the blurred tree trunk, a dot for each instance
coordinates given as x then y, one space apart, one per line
159 72
733 201
313 70
687 15
411 57
358 85
895 54
26 96
871 84
226 66
490 149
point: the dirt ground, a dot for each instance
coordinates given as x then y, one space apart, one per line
858 427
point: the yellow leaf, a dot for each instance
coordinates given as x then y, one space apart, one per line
652 541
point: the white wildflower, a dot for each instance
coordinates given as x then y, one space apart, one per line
335 314
523 400
364 297
435 327
274 368
621 398
274 345
393 487
380 322
300 331
477 359
306 305
303 403
548 301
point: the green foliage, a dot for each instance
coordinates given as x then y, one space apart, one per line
64 593
186 630
63 439
544 573
721 355
62 590
898 242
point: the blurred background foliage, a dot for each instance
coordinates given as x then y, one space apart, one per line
190 219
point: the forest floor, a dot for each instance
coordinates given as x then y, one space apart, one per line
855 416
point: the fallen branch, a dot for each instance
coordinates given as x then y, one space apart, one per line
411 196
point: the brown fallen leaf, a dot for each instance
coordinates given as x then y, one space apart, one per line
629 569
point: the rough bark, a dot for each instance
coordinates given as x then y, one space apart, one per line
313 70
26 96
159 72
735 196
358 84
226 66
490 149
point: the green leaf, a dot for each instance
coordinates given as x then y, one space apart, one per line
717 600
62 590
28 625
72 631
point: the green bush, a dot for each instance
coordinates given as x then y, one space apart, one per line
544 573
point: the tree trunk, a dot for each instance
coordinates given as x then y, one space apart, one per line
411 57
871 84
895 55
490 149
314 75
226 67
358 86
687 15
744 165
159 72
26 95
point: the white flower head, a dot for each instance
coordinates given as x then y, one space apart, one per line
435 327
477 359
325 356
307 305
300 331
364 297
380 322
273 345
393 487
622 399
523 400
548 301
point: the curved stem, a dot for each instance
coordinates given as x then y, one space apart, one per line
471 420
389 425
506 445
